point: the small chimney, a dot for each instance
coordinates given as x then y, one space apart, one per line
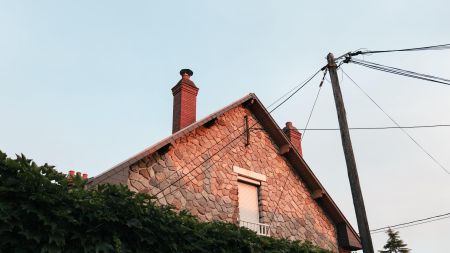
294 136
184 101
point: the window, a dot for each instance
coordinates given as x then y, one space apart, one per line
248 202
248 183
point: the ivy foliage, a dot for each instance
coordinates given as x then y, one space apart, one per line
40 211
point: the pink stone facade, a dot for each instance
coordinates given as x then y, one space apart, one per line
209 189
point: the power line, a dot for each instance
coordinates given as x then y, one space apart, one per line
306 127
278 202
297 90
416 224
436 47
376 128
295 87
398 125
399 71
370 128
284 95
192 160
412 223
310 114
200 164
227 144
204 161
216 153
314 104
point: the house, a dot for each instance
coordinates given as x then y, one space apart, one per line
236 165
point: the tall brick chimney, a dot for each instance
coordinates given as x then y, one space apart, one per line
184 101
294 135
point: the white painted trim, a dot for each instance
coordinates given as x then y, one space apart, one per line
259 228
249 174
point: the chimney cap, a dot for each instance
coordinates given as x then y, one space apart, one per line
291 129
289 125
186 71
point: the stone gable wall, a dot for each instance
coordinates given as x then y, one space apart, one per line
209 190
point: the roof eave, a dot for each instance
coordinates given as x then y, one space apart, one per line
301 166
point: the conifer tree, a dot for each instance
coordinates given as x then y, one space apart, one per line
394 244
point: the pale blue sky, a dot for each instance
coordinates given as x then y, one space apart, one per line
86 84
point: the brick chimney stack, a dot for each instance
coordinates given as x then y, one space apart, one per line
184 101
294 136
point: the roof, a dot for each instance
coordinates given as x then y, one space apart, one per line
347 236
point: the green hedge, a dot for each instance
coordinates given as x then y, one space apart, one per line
40 212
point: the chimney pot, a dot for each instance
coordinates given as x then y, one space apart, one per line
85 176
71 173
186 73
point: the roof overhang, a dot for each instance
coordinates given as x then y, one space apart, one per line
348 240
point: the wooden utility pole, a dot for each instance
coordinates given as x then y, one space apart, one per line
358 200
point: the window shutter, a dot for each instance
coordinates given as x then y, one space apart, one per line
248 202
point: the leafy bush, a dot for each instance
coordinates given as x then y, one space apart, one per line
41 211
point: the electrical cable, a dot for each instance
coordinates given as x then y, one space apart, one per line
375 128
211 156
192 160
309 118
401 72
205 160
398 125
436 47
310 114
398 69
421 223
412 223
369 128
287 93
278 202
298 89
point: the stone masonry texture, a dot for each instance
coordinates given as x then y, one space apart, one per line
196 174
